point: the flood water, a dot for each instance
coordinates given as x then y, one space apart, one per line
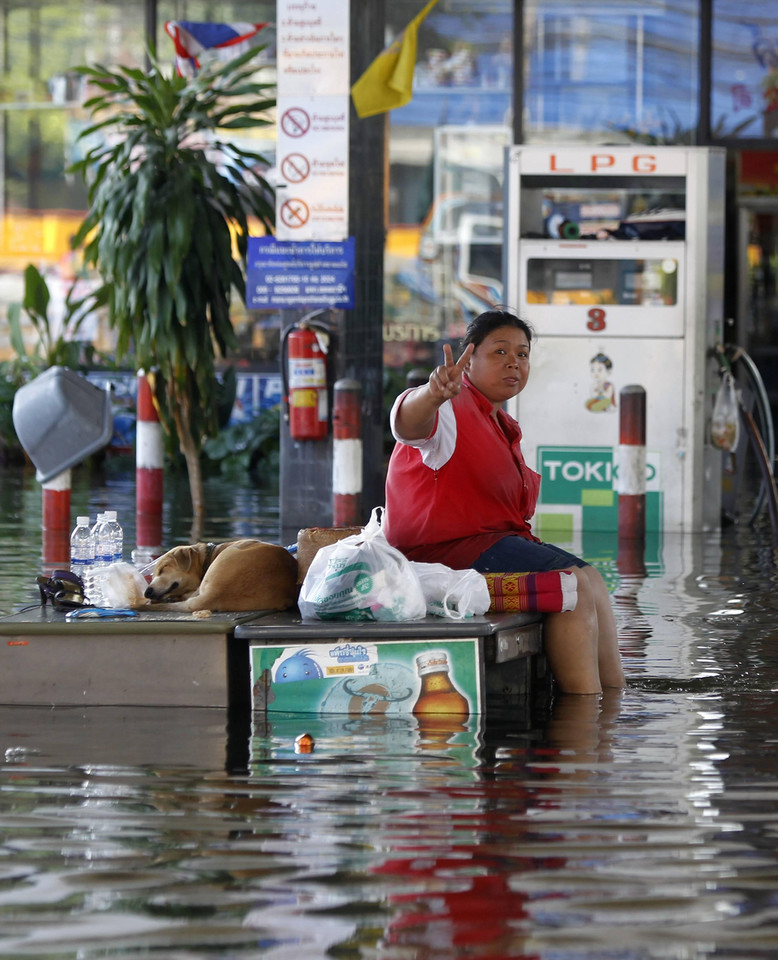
639 824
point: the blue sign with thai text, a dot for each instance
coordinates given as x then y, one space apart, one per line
290 273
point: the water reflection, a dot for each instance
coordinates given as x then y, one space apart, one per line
606 828
243 508
638 824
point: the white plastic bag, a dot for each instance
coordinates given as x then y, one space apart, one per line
725 425
124 586
455 594
361 577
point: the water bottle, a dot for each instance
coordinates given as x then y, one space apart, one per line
117 536
109 549
103 559
82 553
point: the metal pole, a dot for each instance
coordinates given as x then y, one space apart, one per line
518 71
347 453
56 520
705 62
151 27
632 465
149 474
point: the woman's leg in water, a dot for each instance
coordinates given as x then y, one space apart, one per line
581 644
608 656
570 641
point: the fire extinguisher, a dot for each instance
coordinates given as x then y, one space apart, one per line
304 347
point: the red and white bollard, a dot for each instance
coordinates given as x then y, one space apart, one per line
347 454
149 474
632 470
56 520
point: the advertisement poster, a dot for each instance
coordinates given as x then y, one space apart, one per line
384 678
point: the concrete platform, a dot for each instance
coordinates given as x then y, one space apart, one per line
177 660
162 659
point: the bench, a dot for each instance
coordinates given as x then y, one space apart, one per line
308 666
228 660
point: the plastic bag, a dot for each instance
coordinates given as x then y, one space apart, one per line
124 586
361 577
725 425
455 594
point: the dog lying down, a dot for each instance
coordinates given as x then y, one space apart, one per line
235 576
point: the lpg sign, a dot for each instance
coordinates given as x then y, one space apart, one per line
584 478
575 160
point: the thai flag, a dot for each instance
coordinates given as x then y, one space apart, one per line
196 43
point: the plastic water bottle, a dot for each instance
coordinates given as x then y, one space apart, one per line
82 553
103 559
117 536
98 520
109 548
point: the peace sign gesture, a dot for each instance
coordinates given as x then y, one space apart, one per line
445 381
415 416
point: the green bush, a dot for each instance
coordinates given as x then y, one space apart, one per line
250 446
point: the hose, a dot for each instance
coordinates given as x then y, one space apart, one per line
764 438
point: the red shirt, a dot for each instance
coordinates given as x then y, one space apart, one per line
453 495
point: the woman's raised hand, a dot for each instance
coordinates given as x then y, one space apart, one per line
445 381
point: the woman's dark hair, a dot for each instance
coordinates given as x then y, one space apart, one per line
482 325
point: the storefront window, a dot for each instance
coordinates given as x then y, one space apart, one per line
610 72
744 96
443 259
41 117
41 93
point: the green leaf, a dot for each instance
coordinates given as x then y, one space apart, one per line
14 323
36 293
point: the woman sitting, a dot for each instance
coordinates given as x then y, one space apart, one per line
458 492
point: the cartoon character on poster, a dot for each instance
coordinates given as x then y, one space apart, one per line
602 397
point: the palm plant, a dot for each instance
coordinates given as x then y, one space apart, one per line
170 207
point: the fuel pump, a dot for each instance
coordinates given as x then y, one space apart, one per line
616 256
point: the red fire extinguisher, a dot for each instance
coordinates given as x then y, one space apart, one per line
304 371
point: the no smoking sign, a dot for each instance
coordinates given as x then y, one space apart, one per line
295 168
294 213
295 122
312 168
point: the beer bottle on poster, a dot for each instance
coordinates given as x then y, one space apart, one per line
438 694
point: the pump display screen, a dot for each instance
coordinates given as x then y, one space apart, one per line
593 281
569 208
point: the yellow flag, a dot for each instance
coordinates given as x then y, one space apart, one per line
388 81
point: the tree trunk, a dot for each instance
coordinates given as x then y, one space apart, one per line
191 453
194 470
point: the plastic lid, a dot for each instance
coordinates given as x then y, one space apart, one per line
82 521
61 418
110 516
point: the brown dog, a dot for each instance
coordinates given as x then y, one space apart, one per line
235 576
